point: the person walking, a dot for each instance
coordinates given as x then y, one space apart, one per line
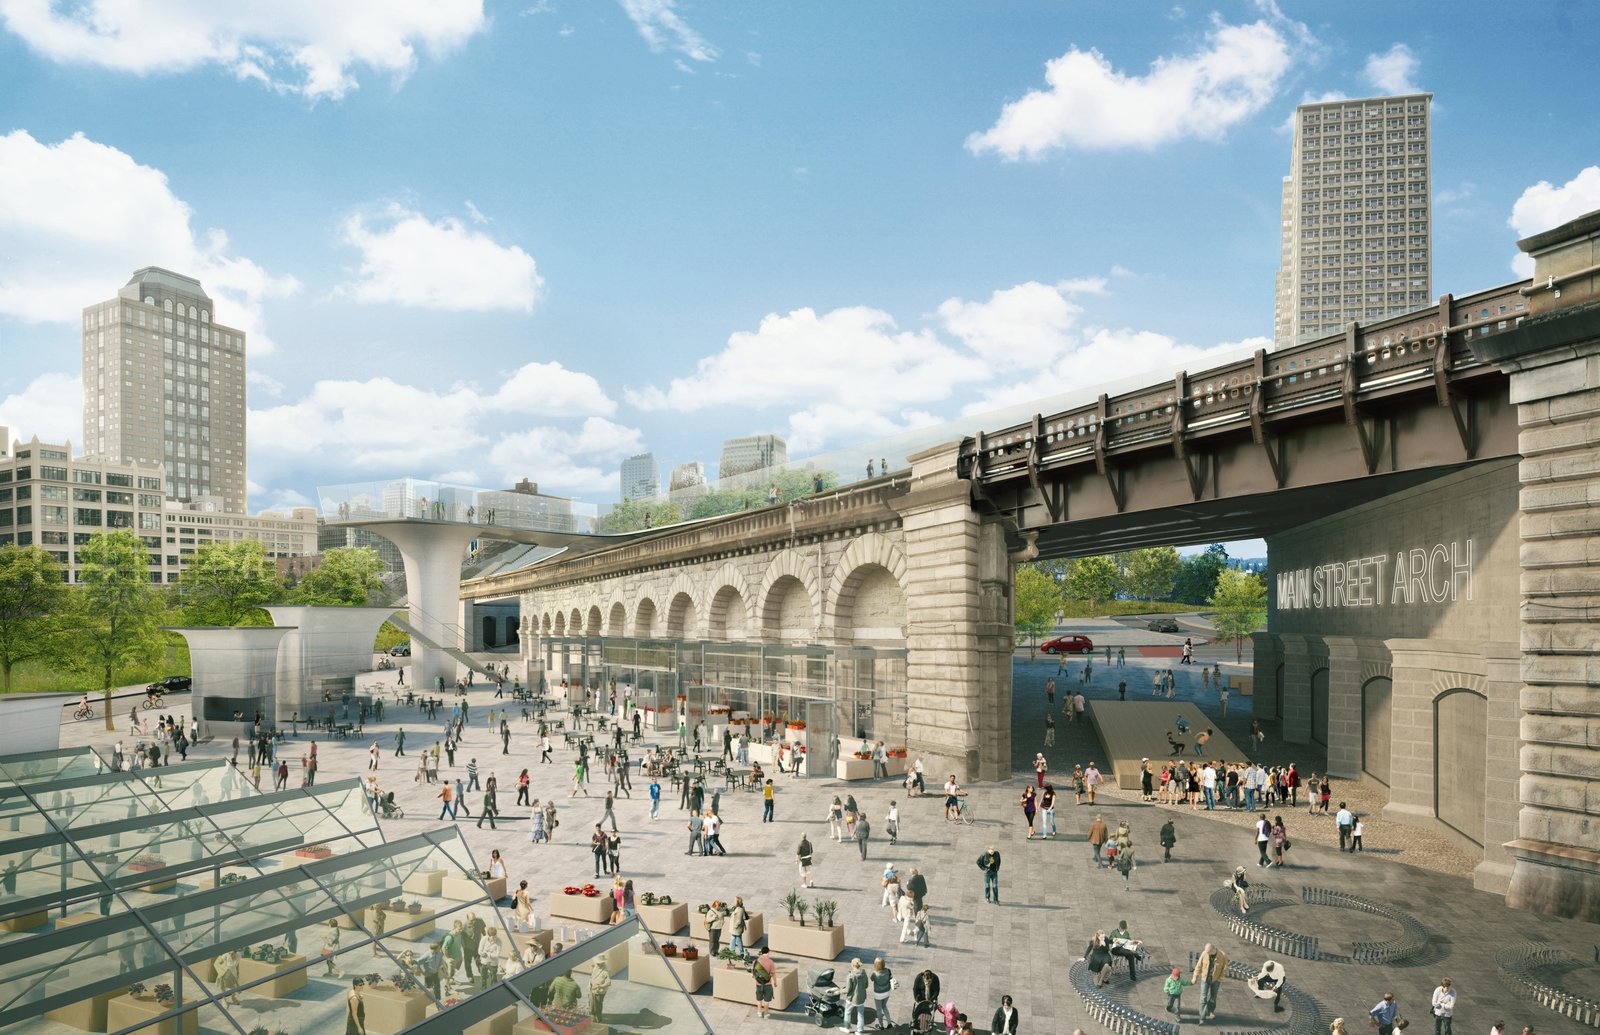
697 827
472 774
522 788
1444 1007
1049 730
445 795
768 801
863 831
489 810
1091 780
804 858
1030 805
1345 820
1263 839
1098 836
610 812
1280 840
989 863
1040 768
400 742
1125 864
461 800
578 779
1173 987
1210 967
536 831
1047 808
882 979
597 847
372 756
655 797
892 823
544 748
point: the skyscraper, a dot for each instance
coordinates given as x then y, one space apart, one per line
641 478
742 456
1357 235
164 383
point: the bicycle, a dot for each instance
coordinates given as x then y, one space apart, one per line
964 811
153 701
84 712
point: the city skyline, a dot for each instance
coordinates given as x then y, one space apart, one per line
809 252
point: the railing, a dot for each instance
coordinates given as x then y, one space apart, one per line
1273 939
1516 967
1413 938
1393 354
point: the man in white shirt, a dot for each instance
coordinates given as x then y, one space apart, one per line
1091 779
1444 1007
1345 820
1208 786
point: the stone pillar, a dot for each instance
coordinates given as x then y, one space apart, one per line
1302 655
959 625
1266 654
1554 361
1350 661
432 554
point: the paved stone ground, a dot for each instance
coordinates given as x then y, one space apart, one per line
1053 896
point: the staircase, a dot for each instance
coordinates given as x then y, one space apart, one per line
402 620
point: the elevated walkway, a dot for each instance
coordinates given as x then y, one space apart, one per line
1134 730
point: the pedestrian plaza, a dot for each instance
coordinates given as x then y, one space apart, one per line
1053 896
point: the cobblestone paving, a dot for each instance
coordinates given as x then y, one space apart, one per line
1053 896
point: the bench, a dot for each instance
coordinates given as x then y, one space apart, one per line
1273 939
1519 967
1119 1017
1413 936
1305 1018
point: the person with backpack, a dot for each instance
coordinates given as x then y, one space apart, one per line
989 863
764 970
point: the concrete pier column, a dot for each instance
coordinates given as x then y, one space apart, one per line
235 669
432 554
1266 657
323 643
959 625
1352 660
1303 656
1553 357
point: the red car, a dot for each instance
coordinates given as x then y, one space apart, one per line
1068 645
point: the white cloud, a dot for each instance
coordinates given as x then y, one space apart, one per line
550 389
568 460
1543 207
265 382
78 217
1393 71
308 47
1455 195
51 407
477 214
411 260
457 477
662 28
1020 328
1091 106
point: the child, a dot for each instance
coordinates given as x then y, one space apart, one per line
1355 835
1174 988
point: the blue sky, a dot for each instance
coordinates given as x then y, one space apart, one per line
488 240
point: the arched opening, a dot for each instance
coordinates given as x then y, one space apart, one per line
1377 698
617 624
575 623
726 618
560 627
1319 707
786 616
489 640
681 623
644 619
544 626
593 630
1461 761
511 631
871 608
1277 693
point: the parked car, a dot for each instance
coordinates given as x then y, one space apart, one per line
169 684
400 650
1162 625
1067 645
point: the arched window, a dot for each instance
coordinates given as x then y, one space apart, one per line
167 304
205 316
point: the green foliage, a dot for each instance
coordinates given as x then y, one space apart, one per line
1037 601
1093 579
1082 608
31 593
632 515
390 635
228 583
113 618
348 576
1150 572
1240 607
1197 578
629 515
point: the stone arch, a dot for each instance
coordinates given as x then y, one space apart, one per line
1377 725
560 626
866 599
575 623
644 618
790 599
1461 758
1319 703
617 620
682 621
544 624
728 607
593 628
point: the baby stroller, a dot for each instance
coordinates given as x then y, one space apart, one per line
824 998
389 809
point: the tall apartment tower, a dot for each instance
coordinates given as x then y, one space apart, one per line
641 477
1357 236
751 454
164 383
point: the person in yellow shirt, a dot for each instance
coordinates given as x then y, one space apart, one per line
767 791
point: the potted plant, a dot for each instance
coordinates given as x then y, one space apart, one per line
802 907
647 899
136 989
669 950
690 953
791 902
163 994
826 908
405 982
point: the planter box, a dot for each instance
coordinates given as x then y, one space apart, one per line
738 985
534 1026
423 882
648 967
466 889
73 919
788 938
27 922
794 736
390 1010
581 907
85 1014
853 769
284 978
499 1023
616 958
755 930
312 853
664 919
126 1011
899 766
540 938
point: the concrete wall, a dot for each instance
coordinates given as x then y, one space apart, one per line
32 722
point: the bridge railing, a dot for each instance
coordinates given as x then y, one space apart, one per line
1389 355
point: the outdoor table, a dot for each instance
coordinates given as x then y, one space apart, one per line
736 777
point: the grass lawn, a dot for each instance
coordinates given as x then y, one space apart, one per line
33 677
1111 608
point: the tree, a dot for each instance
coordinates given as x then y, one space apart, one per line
349 576
32 593
227 584
1151 571
632 515
113 619
1197 578
1240 607
1037 601
1093 579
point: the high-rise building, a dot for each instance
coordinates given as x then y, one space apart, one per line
164 383
688 481
641 477
752 453
1357 235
